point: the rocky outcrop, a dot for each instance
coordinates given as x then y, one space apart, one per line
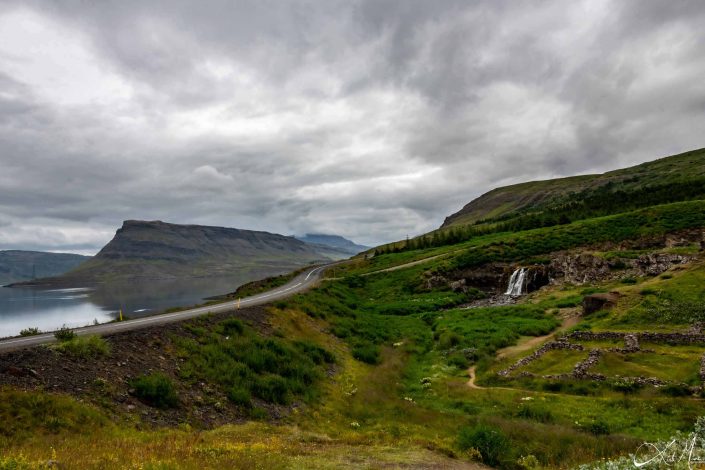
574 268
580 269
657 263
537 277
492 277
588 268
595 302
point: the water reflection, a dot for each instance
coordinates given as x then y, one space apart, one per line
50 309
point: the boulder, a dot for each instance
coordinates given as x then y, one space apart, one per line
595 302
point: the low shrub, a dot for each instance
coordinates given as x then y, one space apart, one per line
458 360
598 428
570 302
553 386
18 463
64 334
676 390
449 339
598 314
272 388
366 352
156 390
258 413
625 386
232 327
30 332
85 347
240 396
535 412
492 444
318 354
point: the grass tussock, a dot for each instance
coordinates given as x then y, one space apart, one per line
84 347
156 390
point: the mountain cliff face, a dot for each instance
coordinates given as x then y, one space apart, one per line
18 265
671 179
159 250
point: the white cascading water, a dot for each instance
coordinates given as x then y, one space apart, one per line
516 283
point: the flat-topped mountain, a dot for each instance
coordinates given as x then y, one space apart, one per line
334 246
159 250
19 265
670 179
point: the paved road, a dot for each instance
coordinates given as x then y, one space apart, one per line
300 283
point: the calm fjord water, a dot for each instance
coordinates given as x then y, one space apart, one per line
49 309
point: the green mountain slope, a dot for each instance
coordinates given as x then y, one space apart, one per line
670 179
159 250
18 265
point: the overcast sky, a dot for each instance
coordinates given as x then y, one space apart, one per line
370 119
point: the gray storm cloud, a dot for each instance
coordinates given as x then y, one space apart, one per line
371 119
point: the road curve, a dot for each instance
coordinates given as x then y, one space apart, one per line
300 283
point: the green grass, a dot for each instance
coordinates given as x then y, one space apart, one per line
668 367
156 390
244 364
529 244
664 179
84 347
24 415
555 362
656 220
668 302
492 328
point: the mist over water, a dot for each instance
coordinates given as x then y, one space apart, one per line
50 309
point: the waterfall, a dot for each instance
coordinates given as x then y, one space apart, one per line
516 283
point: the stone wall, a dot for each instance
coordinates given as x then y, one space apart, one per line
631 345
551 346
643 336
581 368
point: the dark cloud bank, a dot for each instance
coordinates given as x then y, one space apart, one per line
371 119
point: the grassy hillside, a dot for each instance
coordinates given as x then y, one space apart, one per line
400 360
371 367
670 177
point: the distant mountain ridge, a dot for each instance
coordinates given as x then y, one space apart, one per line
333 244
21 265
160 250
669 179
